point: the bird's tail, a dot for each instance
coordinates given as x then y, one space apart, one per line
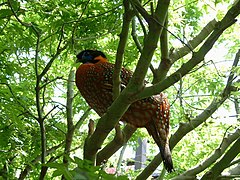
166 157
163 145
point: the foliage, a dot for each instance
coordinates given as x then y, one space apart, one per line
83 170
44 118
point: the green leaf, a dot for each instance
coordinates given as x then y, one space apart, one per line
54 165
5 12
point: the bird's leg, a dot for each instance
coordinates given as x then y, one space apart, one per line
90 132
119 138
86 150
90 128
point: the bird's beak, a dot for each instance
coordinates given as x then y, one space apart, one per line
78 61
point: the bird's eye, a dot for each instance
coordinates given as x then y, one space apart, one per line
87 56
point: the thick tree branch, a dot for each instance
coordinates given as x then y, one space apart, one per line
69 111
127 17
118 141
139 8
161 72
150 44
134 35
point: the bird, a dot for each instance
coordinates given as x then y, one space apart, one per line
95 82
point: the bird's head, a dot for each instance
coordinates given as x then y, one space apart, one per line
91 56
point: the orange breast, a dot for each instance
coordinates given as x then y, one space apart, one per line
90 80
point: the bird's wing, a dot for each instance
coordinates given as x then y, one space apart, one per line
125 76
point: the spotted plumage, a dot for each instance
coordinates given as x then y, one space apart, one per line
94 81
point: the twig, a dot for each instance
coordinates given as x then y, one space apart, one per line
76 22
14 97
94 16
140 22
149 18
21 22
48 82
235 63
234 162
136 41
83 117
181 52
29 166
49 112
61 38
226 142
4 3
49 64
185 5
136 5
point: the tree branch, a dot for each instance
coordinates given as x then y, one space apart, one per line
226 142
185 128
118 141
139 8
127 17
83 117
40 118
134 35
28 167
227 21
50 81
181 52
150 44
69 111
161 72
224 162
21 22
235 63
49 64
76 22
